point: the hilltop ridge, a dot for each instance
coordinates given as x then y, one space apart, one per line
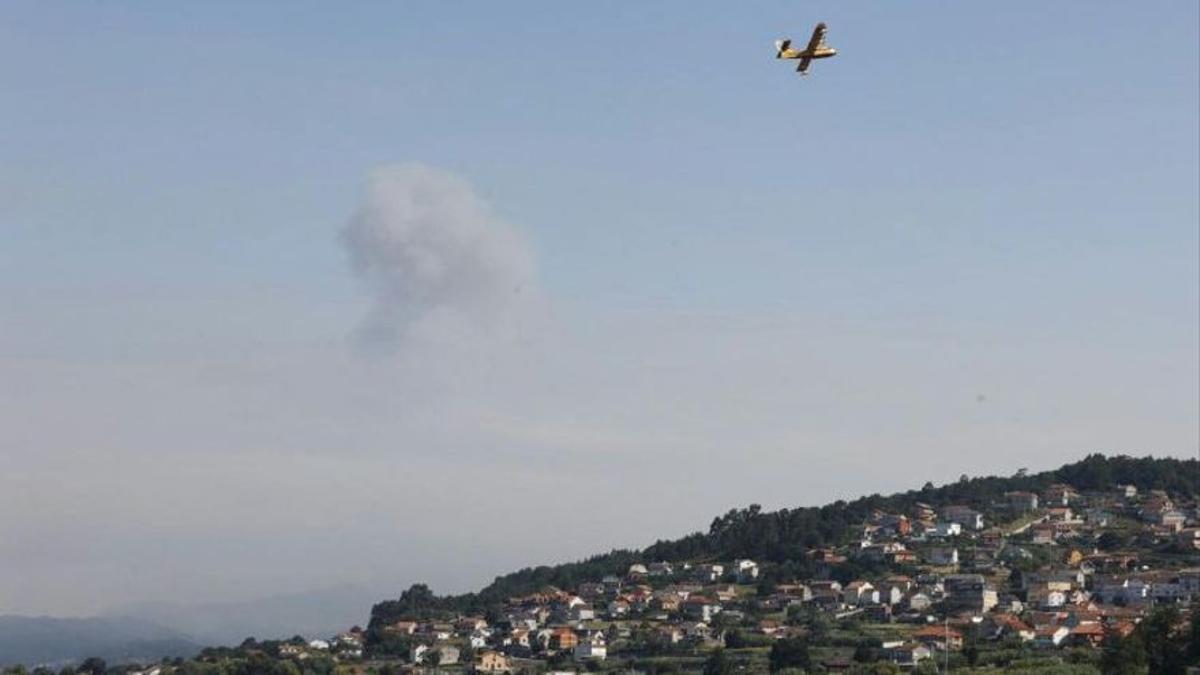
784 536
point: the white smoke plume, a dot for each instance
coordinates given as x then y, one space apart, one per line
430 251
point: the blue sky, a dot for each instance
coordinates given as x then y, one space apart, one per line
971 198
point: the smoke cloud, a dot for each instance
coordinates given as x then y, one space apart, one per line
432 253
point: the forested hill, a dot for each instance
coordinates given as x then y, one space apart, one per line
781 537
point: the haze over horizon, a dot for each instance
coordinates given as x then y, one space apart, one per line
297 299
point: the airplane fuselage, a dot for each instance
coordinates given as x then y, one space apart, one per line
819 53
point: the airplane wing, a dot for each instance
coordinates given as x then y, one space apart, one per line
818 37
803 67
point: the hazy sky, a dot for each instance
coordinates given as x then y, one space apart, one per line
297 295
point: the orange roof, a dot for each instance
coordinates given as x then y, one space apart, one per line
937 631
1012 621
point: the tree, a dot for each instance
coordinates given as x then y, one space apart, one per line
1112 540
718 663
467 655
864 652
789 653
1123 656
734 639
1166 650
93 665
1194 642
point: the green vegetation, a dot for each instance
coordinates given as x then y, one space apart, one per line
782 537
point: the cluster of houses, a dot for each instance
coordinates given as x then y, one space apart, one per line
948 569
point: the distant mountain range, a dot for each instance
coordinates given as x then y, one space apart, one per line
148 632
54 642
317 613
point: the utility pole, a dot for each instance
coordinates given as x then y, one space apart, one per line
946 641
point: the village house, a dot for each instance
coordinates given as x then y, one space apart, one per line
1059 514
907 655
1086 635
592 590
666 602
1021 502
860 593
890 593
402 627
966 516
939 637
769 627
349 643
725 593
969 592
891 524
617 608
947 528
879 552
824 585
442 654
288 649
1188 538
563 639
826 599
581 613
747 571
518 637
1058 579
923 511
671 634
470 624
999 626
942 555
799 592
701 609
709 573
660 569
1059 495
1043 534
491 661
1128 591
479 639
918 602
1050 636
1171 520
1045 598
593 647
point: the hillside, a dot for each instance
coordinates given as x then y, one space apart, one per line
780 539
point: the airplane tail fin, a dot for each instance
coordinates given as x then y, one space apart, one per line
781 46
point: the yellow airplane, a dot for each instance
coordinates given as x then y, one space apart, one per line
817 49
